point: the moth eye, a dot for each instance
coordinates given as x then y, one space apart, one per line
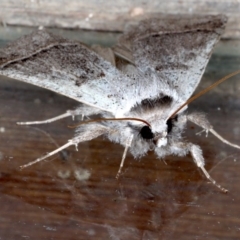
146 133
170 123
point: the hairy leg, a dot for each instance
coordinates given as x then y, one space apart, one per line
82 110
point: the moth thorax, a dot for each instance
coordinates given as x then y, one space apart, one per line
161 142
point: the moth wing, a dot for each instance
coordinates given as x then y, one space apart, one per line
66 67
123 52
105 52
173 49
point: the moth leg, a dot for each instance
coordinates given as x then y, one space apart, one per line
196 152
201 120
66 114
88 132
83 110
128 144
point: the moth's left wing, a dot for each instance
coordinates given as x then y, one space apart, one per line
172 49
68 68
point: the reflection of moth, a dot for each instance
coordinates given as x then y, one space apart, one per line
145 78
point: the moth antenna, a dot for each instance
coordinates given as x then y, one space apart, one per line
128 144
111 119
204 91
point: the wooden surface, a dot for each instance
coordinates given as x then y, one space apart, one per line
152 199
109 15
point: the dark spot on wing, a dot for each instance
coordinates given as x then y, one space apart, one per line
150 103
83 78
171 66
101 74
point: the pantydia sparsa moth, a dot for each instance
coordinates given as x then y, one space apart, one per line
141 82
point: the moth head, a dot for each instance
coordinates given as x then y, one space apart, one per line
157 132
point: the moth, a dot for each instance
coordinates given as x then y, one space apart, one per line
137 87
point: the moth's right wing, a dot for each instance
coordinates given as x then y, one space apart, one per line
68 68
173 49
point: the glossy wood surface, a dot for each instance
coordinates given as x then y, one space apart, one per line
75 195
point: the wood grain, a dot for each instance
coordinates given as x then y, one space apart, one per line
152 199
108 15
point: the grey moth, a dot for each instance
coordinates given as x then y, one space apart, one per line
136 86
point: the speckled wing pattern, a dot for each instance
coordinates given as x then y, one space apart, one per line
175 48
169 56
66 67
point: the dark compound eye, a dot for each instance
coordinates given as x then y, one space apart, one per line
146 133
170 123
